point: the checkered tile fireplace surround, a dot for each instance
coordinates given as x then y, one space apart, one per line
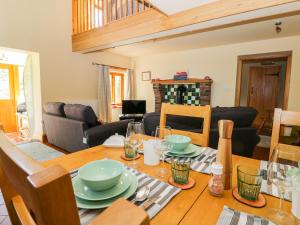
198 92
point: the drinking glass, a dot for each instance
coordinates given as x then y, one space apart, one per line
162 146
181 170
129 152
280 162
249 182
134 139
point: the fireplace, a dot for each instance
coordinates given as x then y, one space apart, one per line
180 93
189 92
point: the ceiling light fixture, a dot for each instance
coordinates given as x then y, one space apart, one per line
3 57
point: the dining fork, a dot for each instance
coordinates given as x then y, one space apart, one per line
149 202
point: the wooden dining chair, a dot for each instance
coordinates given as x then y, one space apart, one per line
189 111
35 195
286 118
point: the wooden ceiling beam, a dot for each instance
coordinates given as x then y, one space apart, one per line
155 7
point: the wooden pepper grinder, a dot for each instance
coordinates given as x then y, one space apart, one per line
224 154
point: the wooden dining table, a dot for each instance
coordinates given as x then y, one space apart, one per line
194 206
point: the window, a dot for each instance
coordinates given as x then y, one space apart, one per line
117 88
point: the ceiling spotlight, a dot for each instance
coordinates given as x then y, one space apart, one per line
3 57
278 27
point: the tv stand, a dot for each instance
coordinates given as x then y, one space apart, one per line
135 117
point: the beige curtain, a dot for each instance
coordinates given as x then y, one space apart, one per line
129 85
104 95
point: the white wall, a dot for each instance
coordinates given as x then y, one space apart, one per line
220 63
45 27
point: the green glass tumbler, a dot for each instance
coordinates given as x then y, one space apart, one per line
249 182
181 170
130 152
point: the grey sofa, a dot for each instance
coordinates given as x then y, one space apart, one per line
244 137
74 127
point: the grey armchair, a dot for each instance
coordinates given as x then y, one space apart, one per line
74 127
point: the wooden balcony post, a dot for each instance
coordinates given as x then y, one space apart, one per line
107 18
116 9
81 15
111 11
86 17
102 11
121 8
92 15
75 16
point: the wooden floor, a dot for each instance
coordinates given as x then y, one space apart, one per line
261 153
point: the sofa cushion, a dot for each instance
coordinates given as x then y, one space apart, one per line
241 116
81 113
55 108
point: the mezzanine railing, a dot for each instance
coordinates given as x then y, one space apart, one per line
90 14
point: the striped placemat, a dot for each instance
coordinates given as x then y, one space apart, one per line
232 217
202 162
272 189
163 191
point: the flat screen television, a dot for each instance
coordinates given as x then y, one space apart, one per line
133 106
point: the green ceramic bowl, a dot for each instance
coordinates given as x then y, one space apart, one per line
178 142
101 175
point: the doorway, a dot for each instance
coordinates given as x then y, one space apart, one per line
265 90
9 90
263 83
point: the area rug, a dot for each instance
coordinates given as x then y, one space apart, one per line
39 151
265 141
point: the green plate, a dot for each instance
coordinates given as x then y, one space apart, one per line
190 149
86 204
83 192
192 155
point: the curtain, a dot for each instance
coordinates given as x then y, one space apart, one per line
104 95
129 85
28 92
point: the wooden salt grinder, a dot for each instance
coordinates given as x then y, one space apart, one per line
224 154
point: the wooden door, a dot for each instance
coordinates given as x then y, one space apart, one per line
263 91
8 86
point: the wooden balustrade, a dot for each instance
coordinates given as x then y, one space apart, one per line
90 14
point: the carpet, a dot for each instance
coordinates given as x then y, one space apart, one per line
39 151
265 141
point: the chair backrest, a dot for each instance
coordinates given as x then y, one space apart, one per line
190 111
34 194
286 118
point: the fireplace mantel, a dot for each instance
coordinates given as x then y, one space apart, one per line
199 91
188 81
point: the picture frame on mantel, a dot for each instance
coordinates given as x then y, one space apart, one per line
146 76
